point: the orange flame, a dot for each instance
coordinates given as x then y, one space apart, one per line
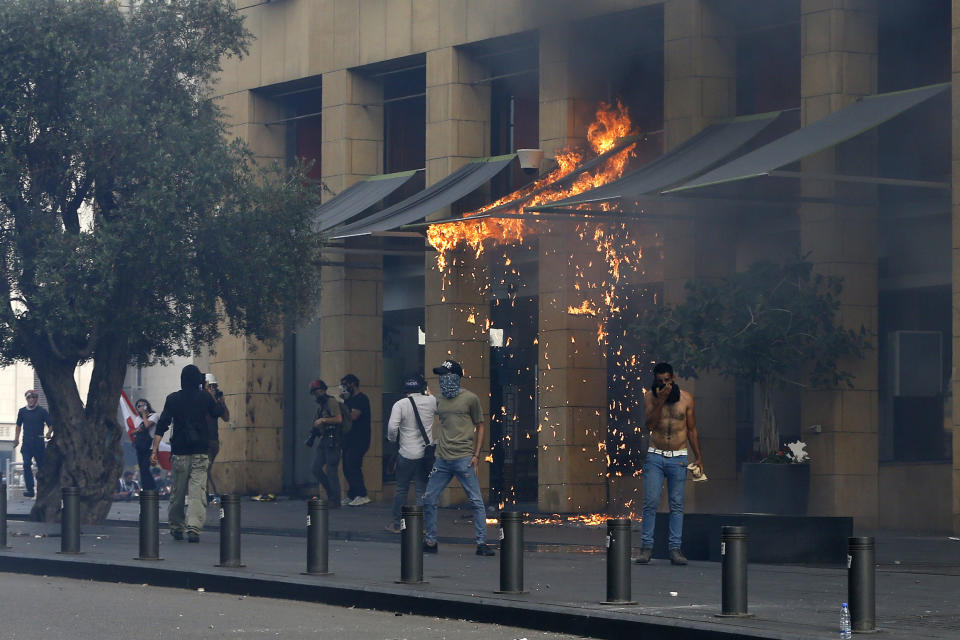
611 124
586 308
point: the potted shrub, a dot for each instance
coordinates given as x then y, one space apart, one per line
773 325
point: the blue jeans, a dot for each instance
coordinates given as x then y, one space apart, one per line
444 471
408 470
655 469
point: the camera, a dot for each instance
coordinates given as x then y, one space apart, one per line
217 394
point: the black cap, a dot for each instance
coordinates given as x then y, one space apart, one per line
413 384
449 366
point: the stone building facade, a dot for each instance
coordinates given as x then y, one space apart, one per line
368 87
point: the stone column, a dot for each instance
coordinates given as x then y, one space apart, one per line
251 446
351 303
839 65
572 420
457 305
700 87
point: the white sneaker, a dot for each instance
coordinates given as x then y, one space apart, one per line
359 500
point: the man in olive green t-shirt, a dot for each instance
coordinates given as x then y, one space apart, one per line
458 454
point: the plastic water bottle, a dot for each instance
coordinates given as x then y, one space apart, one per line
845 631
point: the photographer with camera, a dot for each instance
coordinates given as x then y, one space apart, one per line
213 432
326 428
411 424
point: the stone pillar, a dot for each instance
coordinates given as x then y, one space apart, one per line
700 87
572 420
251 446
351 304
457 305
700 58
839 65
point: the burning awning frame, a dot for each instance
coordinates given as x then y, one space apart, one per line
701 152
357 198
836 128
458 184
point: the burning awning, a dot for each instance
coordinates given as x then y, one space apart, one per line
435 197
710 146
837 127
357 198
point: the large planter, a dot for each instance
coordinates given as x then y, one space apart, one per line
781 489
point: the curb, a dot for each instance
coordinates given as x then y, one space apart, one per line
413 600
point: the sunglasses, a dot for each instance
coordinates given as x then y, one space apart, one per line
32 396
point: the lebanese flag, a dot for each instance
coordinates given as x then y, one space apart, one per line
133 420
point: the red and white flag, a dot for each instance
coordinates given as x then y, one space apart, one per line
132 420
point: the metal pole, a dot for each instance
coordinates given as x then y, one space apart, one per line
618 561
511 552
149 525
3 516
70 520
230 532
318 532
861 584
733 555
411 545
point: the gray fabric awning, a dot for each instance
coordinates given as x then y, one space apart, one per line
837 127
710 146
435 197
357 198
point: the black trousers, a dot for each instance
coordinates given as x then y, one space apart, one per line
31 449
353 453
144 447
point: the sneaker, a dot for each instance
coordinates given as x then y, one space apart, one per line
430 548
177 535
193 536
359 500
350 502
393 528
676 557
644 556
28 494
485 550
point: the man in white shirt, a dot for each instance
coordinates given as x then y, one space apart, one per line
411 463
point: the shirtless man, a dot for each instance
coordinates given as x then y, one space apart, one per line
673 428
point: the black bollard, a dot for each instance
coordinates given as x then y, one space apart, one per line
861 584
230 532
733 556
411 545
3 516
318 532
511 552
70 520
149 526
618 561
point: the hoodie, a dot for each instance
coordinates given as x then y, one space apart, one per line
188 410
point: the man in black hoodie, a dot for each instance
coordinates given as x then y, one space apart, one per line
188 409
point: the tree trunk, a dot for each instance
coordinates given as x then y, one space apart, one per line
769 429
85 450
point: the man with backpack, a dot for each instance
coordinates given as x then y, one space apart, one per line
411 422
327 427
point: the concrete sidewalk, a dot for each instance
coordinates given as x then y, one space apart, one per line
565 572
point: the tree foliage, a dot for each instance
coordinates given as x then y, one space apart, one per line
774 325
131 228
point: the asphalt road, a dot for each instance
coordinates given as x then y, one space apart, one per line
35 607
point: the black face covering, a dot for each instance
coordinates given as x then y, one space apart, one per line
674 396
321 398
